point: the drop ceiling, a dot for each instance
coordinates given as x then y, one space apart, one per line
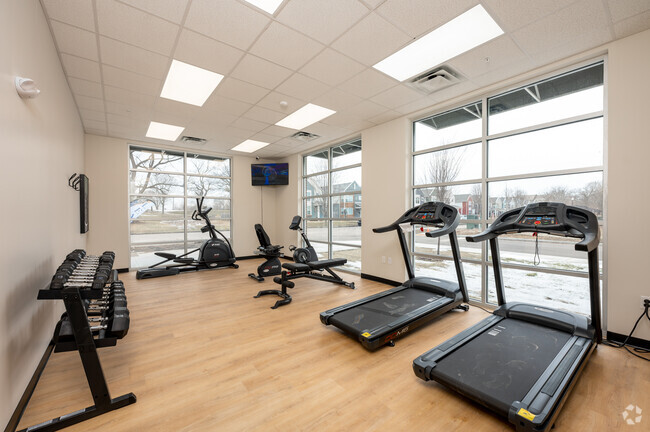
116 54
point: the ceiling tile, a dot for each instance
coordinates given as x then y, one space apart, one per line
423 102
206 53
302 87
75 12
621 10
322 20
75 41
371 40
501 52
581 26
264 115
396 96
372 3
284 46
92 115
250 125
126 110
130 81
278 131
273 99
133 59
260 136
85 88
527 11
239 90
368 83
94 124
214 118
179 112
81 68
417 17
633 25
90 131
260 72
385 117
332 68
172 10
227 21
135 27
89 103
118 120
337 100
217 103
365 110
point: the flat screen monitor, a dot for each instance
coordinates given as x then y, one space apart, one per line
270 174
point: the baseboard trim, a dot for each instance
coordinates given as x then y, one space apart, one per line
635 342
247 257
380 279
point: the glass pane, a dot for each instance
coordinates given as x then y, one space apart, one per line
220 208
347 232
316 185
207 165
580 144
318 162
346 206
348 180
445 269
155 183
442 246
194 230
346 154
208 186
443 166
450 127
155 160
316 208
156 231
322 250
568 95
156 208
466 198
582 190
352 254
317 230
143 255
567 293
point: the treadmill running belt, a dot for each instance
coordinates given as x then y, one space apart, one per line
500 365
383 310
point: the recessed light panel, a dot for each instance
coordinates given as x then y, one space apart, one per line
189 84
164 131
309 114
269 6
459 35
249 146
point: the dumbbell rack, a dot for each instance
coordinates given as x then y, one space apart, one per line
74 297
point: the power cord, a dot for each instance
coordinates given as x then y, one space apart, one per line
633 351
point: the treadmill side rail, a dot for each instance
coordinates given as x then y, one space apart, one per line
325 316
423 364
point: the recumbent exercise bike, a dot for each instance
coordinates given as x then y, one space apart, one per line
271 252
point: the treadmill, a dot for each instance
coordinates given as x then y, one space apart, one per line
381 318
522 361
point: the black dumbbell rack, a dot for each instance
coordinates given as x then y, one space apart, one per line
84 339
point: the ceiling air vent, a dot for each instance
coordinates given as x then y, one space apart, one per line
304 136
193 140
435 79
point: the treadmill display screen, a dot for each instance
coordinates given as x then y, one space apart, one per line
425 216
539 220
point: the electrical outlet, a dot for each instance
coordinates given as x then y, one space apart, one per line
643 299
390 260
383 259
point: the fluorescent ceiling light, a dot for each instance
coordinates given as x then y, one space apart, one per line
266 5
164 131
189 84
305 116
461 34
249 146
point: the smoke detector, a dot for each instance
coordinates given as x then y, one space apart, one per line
435 79
193 140
304 136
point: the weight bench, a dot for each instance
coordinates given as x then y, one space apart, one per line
312 269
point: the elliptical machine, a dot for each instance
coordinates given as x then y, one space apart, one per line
213 253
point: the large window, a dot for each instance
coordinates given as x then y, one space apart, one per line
539 142
331 197
163 187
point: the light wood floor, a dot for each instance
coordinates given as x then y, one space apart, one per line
203 355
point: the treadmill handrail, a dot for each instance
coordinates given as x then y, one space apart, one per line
568 218
446 217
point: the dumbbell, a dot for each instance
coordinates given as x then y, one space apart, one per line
116 326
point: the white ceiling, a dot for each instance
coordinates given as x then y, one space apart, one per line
116 54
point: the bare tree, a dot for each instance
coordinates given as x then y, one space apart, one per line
477 196
591 196
519 198
442 167
558 194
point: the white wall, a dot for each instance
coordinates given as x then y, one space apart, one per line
628 198
42 145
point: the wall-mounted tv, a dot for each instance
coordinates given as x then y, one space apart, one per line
270 174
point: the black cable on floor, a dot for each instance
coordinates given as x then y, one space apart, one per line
634 350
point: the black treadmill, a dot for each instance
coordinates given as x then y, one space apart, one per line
523 361
381 318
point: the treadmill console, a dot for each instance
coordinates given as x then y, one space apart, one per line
426 213
438 214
